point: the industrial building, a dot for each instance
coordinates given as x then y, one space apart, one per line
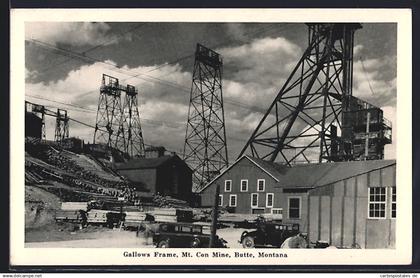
166 175
347 204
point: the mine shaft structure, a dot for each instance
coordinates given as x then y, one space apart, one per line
61 120
61 126
117 123
314 117
40 111
205 148
134 144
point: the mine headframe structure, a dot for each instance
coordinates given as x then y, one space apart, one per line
303 122
117 123
61 126
134 144
205 148
40 111
61 123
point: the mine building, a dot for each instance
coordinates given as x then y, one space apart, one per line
347 204
159 173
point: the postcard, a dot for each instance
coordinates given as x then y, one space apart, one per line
210 136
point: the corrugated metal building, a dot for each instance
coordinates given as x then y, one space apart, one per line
167 175
344 203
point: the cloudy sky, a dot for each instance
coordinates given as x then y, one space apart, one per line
65 63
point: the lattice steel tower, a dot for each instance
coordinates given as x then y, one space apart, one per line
108 128
205 149
134 144
304 121
61 126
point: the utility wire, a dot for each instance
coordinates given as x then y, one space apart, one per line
366 76
92 48
144 120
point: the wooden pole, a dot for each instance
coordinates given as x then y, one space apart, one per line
214 218
367 136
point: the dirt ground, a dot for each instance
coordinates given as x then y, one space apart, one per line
106 238
41 230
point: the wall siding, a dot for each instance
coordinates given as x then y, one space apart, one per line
336 213
343 219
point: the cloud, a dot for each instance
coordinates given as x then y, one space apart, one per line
375 81
71 33
237 31
30 74
162 107
253 74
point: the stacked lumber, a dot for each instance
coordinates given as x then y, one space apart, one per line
74 216
272 217
169 202
134 218
172 215
96 216
237 217
74 206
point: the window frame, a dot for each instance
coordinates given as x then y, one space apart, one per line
247 183
254 194
230 200
377 202
230 189
220 203
266 200
300 207
280 209
393 192
258 185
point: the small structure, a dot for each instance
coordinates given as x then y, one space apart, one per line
167 175
344 203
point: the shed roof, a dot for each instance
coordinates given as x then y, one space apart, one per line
148 163
313 175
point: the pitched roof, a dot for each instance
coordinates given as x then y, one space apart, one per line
314 175
146 163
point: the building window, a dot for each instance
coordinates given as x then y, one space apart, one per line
377 202
220 200
276 211
228 185
393 202
232 200
244 185
260 185
269 201
254 200
294 208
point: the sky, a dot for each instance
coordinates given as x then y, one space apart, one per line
64 63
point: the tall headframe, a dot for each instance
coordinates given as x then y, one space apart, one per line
117 123
134 144
205 149
61 126
305 117
110 112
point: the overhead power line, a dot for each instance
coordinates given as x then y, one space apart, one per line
92 48
366 75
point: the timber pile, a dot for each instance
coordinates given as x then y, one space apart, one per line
74 206
172 215
237 217
169 202
74 216
134 218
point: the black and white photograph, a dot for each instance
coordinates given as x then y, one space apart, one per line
231 139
